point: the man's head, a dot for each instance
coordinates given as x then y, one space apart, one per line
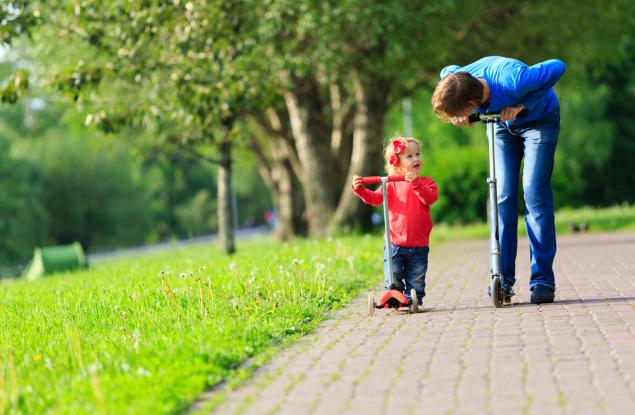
457 95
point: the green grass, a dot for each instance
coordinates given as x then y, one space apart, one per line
611 219
149 334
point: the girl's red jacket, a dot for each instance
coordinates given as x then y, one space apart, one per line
408 207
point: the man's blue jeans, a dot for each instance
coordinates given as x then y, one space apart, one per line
536 143
411 265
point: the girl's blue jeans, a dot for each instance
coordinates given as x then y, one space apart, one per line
536 144
411 265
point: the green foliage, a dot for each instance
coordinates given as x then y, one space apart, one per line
16 85
198 215
92 195
400 42
586 141
17 18
23 219
619 169
180 69
149 334
460 174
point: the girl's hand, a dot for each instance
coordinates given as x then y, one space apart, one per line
510 113
458 121
357 181
410 176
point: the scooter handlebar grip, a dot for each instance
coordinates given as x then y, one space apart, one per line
377 179
371 180
476 117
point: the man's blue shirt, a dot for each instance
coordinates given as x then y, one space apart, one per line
512 81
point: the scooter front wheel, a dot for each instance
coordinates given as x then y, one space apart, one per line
496 291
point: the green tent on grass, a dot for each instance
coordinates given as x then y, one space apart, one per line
52 259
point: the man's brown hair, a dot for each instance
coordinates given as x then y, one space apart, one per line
453 94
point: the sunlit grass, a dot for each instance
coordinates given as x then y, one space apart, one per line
149 334
616 218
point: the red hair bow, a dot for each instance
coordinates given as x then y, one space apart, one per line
397 148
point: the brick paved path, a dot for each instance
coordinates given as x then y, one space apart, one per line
463 356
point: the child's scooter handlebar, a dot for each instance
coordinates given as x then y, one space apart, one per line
377 179
493 117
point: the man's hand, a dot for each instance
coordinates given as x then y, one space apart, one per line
458 121
510 113
357 181
410 176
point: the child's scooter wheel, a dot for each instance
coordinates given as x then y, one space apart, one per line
414 303
371 304
496 291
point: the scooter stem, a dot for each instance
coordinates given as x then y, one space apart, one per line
384 180
495 252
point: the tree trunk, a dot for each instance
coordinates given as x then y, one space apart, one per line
371 97
282 175
224 206
288 199
343 112
312 141
279 168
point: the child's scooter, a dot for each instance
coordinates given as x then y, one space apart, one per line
393 298
496 286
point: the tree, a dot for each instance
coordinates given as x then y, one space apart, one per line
340 65
196 73
186 71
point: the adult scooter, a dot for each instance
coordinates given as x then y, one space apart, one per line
392 298
496 287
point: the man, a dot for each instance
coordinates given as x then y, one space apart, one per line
502 85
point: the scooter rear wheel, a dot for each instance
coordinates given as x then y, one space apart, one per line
414 304
496 291
371 304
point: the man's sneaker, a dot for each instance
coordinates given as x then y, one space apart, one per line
508 293
541 294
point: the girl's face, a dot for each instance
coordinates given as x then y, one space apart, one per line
410 160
